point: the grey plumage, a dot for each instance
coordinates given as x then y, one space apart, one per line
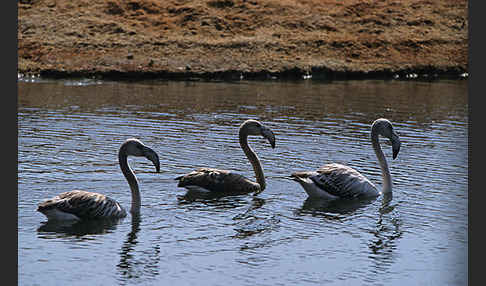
220 181
335 181
82 205
228 182
339 181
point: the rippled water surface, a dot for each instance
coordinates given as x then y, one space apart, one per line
70 131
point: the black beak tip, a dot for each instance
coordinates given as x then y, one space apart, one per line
157 166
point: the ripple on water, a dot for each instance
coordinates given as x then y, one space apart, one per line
69 135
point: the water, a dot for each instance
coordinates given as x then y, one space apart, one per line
70 131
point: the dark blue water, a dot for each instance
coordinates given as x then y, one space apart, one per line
70 131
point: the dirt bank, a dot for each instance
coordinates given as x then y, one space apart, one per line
249 38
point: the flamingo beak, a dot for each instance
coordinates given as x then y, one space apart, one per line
395 140
268 134
152 156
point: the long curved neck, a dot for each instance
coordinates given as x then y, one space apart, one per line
253 158
385 172
132 181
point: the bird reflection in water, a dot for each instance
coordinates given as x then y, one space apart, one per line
386 234
254 220
78 228
332 209
135 264
211 200
196 196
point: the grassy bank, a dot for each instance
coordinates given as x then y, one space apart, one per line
229 39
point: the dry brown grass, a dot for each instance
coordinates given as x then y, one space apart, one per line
249 36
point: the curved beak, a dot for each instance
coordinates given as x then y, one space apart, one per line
152 156
268 134
395 140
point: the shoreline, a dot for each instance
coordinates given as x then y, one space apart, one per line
320 74
242 39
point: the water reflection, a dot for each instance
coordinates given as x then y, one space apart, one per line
333 209
252 221
417 102
253 228
383 245
247 223
245 237
210 200
256 203
78 228
135 264
201 196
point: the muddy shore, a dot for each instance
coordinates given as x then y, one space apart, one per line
239 39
